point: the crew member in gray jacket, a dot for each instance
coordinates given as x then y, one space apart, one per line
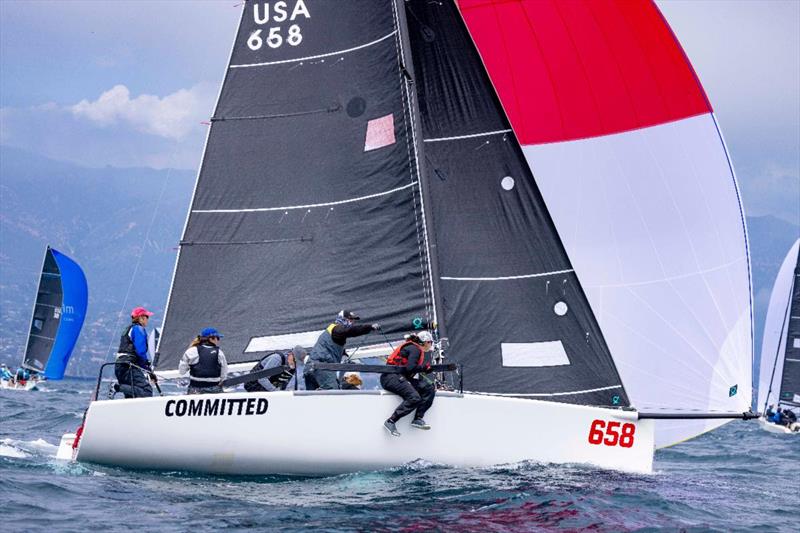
274 360
330 349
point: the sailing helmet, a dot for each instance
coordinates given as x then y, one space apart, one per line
140 311
424 336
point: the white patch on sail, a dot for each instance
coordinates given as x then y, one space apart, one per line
796 342
282 342
380 133
536 354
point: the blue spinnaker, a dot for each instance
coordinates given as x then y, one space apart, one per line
73 312
58 315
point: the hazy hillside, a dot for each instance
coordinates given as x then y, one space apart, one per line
99 217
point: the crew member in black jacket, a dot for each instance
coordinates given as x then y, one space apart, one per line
413 385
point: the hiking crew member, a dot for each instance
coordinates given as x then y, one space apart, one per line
417 392
205 363
132 380
330 349
274 360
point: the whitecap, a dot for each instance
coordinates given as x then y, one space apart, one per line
10 451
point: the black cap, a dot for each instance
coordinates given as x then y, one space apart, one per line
349 315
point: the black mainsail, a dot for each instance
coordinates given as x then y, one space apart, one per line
308 199
516 314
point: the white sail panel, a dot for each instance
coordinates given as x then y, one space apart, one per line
652 222
773 345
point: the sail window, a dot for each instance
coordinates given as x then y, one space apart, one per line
534 354
380 133
282 342
560 308
796 342
507 183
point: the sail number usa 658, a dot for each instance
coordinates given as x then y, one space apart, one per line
277 12
611 433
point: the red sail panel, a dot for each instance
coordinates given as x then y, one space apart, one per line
572 70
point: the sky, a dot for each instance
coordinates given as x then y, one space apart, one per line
130 83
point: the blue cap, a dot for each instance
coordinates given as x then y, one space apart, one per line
211 332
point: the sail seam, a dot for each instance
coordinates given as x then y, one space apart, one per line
549 394
524 276
307 206
319 56
470 136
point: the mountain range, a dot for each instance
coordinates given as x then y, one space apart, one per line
123 226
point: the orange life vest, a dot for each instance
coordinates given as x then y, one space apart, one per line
397 358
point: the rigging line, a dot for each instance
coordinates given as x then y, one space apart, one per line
470 136
408 119
224 243
332 109
548 394
121 312
525 276
308 58
308 206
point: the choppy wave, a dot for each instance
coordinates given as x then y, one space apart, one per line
735 478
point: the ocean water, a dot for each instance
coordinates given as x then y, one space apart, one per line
737 478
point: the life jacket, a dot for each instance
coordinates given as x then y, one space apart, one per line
325 349
126 343
280 381
207 365
397 359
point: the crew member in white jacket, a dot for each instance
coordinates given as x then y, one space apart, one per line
204 363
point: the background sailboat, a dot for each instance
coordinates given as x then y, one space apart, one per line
58 315
779 376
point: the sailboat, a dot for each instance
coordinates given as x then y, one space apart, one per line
58 315
779 377
541 183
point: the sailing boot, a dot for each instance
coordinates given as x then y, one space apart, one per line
391 428
419 423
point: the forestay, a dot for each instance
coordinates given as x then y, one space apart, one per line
308 198
631 164
779 375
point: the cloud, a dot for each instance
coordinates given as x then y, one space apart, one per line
171 117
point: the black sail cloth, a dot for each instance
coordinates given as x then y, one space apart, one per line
790 380
307 199
516 315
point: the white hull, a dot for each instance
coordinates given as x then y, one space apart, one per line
324 432
7 385
775 428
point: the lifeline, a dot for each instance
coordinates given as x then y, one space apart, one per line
217 407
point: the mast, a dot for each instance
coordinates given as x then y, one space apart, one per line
407 68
